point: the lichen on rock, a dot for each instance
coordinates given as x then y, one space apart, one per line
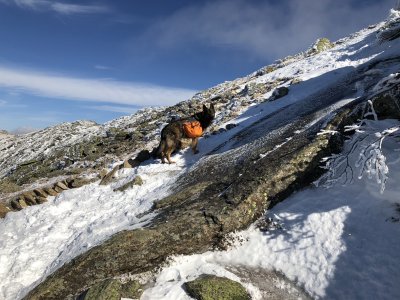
211 287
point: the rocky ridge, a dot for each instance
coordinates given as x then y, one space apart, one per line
231 187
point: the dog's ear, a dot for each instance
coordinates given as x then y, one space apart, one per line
212 109
205 109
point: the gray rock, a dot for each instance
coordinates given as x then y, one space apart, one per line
279 93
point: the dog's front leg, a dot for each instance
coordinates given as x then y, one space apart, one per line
195 142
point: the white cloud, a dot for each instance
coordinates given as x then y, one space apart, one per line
58 7
67 9
113 108
95 90
264 29
3 102
101 67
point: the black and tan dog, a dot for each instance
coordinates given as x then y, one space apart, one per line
175 135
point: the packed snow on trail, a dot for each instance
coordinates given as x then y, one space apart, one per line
336 243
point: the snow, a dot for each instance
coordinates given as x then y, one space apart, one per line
71 223
337 243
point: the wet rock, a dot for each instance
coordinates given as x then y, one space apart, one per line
211 287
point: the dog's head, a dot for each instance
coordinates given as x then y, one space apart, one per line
206 116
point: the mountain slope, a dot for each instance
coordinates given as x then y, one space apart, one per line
273 150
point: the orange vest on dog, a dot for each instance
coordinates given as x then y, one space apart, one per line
192 129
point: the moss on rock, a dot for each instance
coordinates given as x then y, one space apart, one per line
131 289
210 287
106 290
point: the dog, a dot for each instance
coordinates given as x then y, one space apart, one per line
174 136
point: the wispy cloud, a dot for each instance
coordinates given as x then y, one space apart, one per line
113 108
262 28
58 7
68 9
95 90
102 67
6 104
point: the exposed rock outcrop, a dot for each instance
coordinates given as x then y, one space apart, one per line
225 191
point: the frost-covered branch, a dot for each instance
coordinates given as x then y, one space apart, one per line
362 151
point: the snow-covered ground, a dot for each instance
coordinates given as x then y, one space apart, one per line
337 243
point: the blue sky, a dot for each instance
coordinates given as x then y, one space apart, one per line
69 60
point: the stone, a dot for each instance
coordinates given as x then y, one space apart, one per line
230 126
58 189
279 93
29 195
15 205
40 193
61 185
77 183
29 199
131 289
3 210
211 287
109 289
22 202
40 200
50 191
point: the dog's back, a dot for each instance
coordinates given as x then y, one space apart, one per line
172 135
